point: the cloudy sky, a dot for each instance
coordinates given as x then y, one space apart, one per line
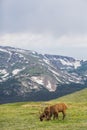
46 26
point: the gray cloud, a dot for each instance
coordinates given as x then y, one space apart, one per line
46 26
75 46
56 16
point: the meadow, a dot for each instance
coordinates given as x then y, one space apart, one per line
25 115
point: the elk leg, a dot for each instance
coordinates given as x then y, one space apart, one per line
64 114
55 115
49 116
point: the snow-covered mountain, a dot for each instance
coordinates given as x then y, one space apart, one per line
27 75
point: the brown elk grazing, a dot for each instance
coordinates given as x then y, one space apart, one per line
53 111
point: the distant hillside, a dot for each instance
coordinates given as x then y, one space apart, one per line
29 76
80 96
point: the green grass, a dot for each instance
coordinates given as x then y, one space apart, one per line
25 116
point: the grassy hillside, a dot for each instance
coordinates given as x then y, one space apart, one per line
78 97
25 116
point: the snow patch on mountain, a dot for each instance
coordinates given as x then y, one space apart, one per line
49 86
3 71
75 64
46 61
3 50
54 72
10 54
38 80
16 71
4 76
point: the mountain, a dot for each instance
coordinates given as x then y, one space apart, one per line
29 76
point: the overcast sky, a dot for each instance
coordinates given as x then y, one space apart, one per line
46 26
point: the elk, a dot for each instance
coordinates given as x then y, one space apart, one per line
53 110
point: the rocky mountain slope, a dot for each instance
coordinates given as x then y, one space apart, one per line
26 75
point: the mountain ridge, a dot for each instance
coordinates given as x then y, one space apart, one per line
28 75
